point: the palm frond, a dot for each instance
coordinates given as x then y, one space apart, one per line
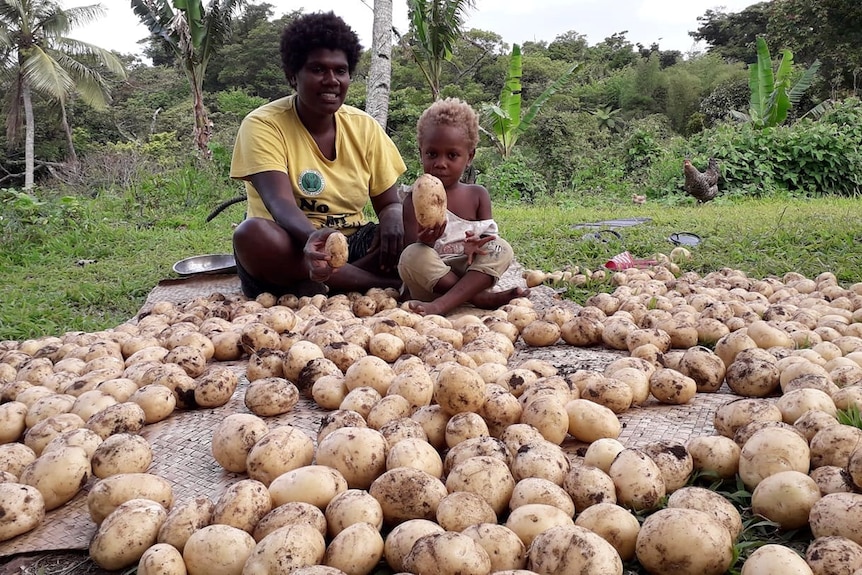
92 87
157 21
78 49
45 75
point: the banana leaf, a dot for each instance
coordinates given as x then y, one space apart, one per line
761 81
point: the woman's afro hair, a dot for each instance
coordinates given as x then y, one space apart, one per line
317 30
451 112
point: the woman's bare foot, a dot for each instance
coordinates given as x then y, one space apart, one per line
487 299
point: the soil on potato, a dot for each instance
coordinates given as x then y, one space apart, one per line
52 563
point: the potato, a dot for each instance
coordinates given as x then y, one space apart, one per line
447 553
486 476
41 409
753 373
673 461
672 387
459 389
833 554
834 444
389 409
589 421
540 459
218 550
573 549
356 550
13 416
297 357
614 524
766 335
350 507
638 480
602 452
704 367
615 394
215 387
38 436
336 249
795 403
125 534
162 559
714 453
280 450
588 485
121 453
786 498
772 450
314 484
157 401
709 502
684 541
416 453
478 446
291 513
429 201
503 546
14 457
837 514
730 416
582 331
541 333
58 475
402 537
461 509
109 493
127 417
358 453
184 519
731 344
233 439
242 505
464 426
773 559
405 493
539 490
271 396
23 509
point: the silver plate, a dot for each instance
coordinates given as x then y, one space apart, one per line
207 264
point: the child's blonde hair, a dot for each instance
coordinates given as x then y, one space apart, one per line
451 112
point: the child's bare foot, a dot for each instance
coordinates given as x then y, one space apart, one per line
487 299
426 307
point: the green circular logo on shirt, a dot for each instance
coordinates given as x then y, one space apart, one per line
311 182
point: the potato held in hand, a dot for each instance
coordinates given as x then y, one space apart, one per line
429 201
336 249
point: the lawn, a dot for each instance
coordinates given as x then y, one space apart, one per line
80 263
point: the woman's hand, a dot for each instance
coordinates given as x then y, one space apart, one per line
473 245
315 256
391 236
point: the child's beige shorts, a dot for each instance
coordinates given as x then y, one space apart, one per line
421 267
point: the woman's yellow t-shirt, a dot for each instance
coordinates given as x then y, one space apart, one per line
332 193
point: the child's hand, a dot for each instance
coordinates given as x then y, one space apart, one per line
473 245
430 235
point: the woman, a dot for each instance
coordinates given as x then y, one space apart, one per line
310 164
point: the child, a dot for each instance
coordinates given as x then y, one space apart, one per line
458 262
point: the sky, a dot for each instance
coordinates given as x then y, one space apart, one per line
516 21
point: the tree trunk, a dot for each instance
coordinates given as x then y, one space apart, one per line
72 155
380 73
203 126
29 138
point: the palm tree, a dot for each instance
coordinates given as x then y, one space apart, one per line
380 73
193 34
37 57
435 26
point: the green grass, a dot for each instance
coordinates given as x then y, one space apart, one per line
43 290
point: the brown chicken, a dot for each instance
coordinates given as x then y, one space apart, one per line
702 185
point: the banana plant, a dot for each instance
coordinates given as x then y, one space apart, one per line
772 94
506 122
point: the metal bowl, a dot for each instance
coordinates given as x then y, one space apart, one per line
206 264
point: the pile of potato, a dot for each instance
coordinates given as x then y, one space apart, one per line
439 455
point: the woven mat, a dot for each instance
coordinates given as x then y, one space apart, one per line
181 443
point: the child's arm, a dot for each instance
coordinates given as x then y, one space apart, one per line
413 232
483 210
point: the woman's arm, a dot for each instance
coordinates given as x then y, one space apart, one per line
389 210
276 192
